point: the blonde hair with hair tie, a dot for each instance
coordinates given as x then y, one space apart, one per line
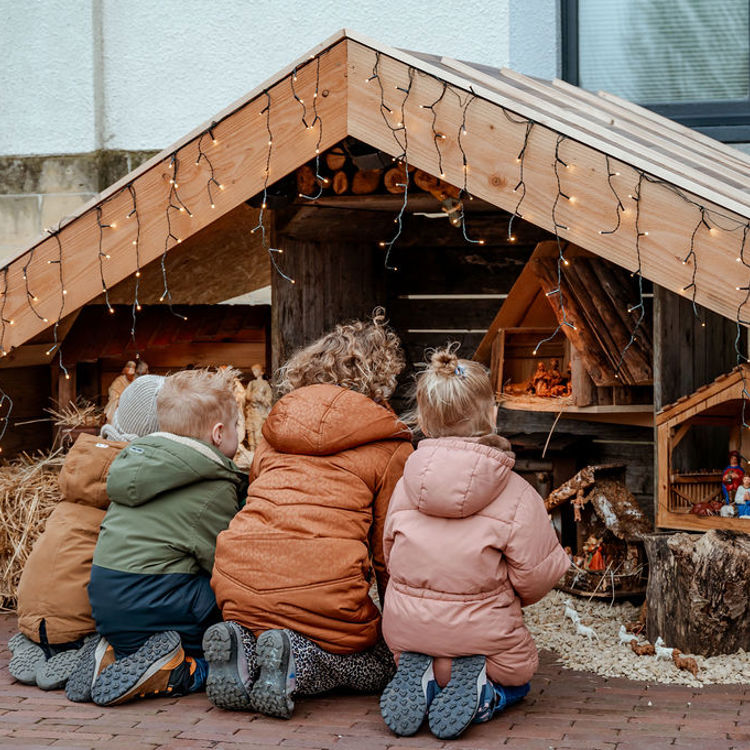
363 356
454 396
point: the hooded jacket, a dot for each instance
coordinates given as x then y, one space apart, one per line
467 543
170 497
52 597
300 553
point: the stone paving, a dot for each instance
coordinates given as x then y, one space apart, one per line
565 710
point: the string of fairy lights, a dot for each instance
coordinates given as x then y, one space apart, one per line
393 104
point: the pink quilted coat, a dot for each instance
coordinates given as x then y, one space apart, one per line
467 544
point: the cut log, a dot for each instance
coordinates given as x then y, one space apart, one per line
335 159
340 182
395 179
698 598
366 181
306 182
580 337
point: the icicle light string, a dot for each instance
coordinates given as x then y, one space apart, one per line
464 191
137 244
30 297
619 207
437 136
694 262
520 159
203 156
317 120
640 306
63 291
102 255
403 159
272 251
174 203
3 319
742 358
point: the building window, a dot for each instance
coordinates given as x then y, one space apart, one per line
686 59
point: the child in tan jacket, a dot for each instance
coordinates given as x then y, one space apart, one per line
54 614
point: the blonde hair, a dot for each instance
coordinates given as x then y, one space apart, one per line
363 356
191 402
454 396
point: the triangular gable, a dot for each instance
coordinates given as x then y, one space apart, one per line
585 161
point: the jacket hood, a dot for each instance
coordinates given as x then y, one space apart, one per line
161 462
83 477
320 420
458 477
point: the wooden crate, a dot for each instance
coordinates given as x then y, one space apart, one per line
720 403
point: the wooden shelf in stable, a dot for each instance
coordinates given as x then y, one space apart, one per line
640 415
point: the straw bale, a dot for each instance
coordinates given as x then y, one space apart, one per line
28 493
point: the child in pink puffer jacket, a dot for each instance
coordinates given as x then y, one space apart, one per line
467 543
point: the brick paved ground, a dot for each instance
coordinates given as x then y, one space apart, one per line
565 709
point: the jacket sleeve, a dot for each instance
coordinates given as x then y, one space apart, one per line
533 554
392 474
213 519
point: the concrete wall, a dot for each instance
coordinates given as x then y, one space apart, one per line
88 87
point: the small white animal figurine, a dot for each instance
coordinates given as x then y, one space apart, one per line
661 651
727 511
590 633
570 612
626 637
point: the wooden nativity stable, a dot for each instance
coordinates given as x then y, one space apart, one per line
591 231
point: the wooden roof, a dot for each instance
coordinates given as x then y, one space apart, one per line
693 203
710 398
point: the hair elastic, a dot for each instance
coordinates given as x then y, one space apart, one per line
460 371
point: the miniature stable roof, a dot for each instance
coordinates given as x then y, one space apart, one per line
514 141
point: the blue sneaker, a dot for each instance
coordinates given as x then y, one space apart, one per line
496 698
407 697
198 675
454 708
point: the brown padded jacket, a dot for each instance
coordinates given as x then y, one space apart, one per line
54 580
300 554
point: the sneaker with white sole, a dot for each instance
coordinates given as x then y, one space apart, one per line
27 656
229 679
272 692
407 697
94 656
158 668
455 706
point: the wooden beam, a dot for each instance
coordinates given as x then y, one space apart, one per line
238 159
492 144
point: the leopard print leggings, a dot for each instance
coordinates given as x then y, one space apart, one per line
318 671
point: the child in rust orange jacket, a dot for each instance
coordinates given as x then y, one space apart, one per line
468 543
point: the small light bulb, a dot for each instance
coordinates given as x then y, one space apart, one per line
262 205
137 307
67 376
46 320
221 187
572 199
480 242
111 309
138 274
65 291
107 256
442 175
566 262
512 238
135 242
113 225
213 205
12 322
739 260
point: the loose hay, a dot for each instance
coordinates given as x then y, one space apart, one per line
28 493
608 657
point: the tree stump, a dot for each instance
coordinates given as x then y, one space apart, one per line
698 594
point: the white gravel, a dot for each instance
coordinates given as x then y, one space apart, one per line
608 657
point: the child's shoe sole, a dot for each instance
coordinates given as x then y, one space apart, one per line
454 707
228 682
55 672
403 703
123 680
24 662
269 695
19 641
91 657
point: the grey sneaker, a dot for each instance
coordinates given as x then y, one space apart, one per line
27 656
17 642
272 692
229 679
93 657
408 695
53 673
455 706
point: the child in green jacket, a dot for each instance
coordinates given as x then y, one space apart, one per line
171 493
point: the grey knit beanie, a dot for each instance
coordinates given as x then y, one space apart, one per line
136 411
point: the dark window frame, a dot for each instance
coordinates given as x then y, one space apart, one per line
725 121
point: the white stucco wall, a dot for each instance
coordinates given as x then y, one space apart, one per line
85 74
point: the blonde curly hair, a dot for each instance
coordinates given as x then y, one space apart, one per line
363 356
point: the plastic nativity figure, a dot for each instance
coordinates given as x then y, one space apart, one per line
258 399
742 497
119 384
732 477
